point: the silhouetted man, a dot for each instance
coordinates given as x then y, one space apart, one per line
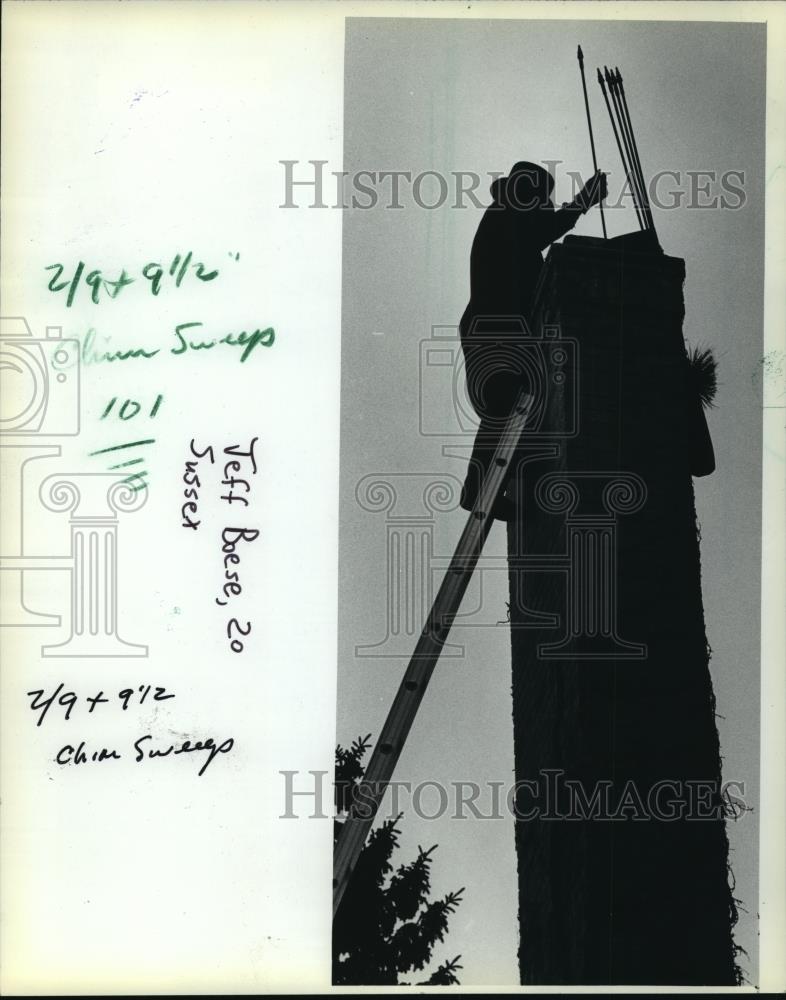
505 265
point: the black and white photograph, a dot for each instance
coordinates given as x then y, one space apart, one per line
392 447
574 234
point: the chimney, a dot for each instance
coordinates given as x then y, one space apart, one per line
620 836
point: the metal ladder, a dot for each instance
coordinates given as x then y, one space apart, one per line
355 829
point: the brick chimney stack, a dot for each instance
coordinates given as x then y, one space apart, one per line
621 840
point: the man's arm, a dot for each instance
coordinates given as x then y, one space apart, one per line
553 225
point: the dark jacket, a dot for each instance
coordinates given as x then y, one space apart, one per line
505 265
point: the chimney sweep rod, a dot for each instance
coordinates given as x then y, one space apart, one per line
624 98
628 139
592 138
621 151
622 121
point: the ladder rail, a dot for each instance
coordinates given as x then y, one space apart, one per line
393 736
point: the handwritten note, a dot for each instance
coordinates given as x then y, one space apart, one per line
171 421
169 450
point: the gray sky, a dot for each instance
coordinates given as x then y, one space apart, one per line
477 96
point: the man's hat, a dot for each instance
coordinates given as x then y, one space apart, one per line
537 175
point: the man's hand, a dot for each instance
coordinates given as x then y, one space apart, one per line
593 192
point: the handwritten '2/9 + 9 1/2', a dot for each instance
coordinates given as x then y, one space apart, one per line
41 701
153 272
